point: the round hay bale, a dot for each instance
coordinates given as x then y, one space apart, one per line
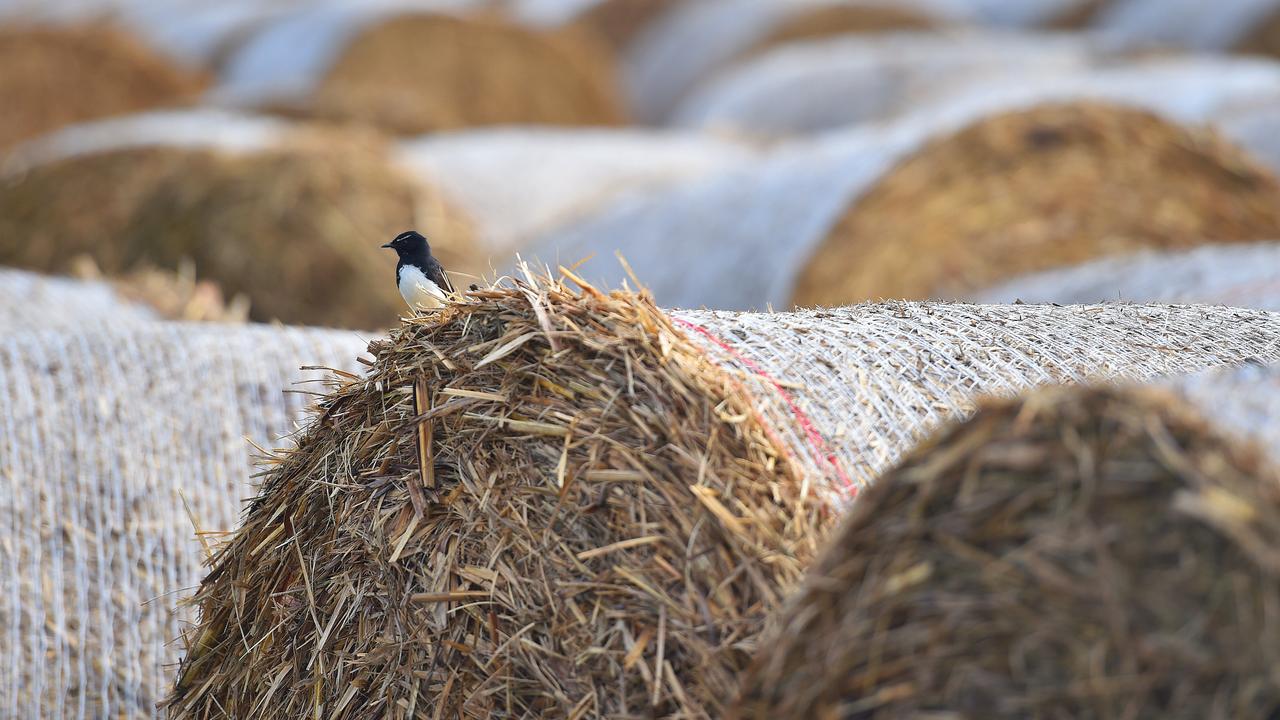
31 301
412 71
543 502
1191 24
124 443
1236 275
295 226
561 176
694 41
1077 553
1037 189
806 87
55 76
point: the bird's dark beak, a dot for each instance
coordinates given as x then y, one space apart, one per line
387 245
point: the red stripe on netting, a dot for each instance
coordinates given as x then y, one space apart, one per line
816 441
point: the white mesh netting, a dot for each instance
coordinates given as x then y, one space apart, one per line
850 390
1238 275
803 87
107 438
692 41
519 182
30 301
737 240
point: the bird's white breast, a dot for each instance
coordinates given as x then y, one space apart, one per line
418 290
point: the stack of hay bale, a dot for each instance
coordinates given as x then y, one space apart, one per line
552 502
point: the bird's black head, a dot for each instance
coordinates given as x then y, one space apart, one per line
410 244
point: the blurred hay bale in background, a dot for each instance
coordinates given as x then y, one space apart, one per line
807 87
1236 275
668 474
31 301
412 71
55 76
620 22
1083 553
1223 25
174 295
1038 189
122 443
694 41
518 183
291 218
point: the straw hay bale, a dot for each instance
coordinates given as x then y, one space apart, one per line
294 226
518 183
1236 275
412 68
742 237
1082 553
1193 24
826 84
695 40
31 301
114 440
1034 190
613 499
55 76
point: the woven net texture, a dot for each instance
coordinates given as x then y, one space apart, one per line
1236 275
1030 562
115 446
563 175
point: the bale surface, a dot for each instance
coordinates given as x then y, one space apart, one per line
1032 190
1188 24
614 497
415 72
117 442
1078 553
1236 275
295 228
55 76
30 301
620 22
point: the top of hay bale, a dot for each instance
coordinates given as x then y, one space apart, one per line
55 76
562 174
837 82
415 67
123 442
31 301
1083 553
543 501
1032 190
1236 275
295 227
694 40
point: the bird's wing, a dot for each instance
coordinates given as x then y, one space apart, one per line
436 274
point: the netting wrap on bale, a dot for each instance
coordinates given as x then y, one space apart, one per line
288 216
30 301
114 446
549 502
827 84
1237 275
414 67
55 76
939 204
1084 553
520 183
692 41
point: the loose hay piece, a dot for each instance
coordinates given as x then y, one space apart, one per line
608 529
1032 190
294 227
50 77
119 442
1078 553
617 498
414 72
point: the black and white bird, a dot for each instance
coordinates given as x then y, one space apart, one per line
420 277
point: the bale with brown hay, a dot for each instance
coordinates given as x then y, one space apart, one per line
1084 553
518 183
750 238
547 502
123 446
1236 275
1034 190
407 69
294 224
55 76
696 40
